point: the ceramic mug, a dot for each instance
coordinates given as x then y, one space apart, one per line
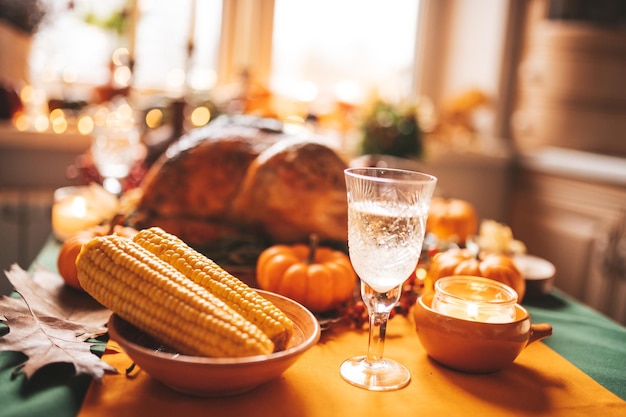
471 346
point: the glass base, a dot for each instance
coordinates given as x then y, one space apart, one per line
386 375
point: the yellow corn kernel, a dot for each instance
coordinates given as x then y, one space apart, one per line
156 298
203 271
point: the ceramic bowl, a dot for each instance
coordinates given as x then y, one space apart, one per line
471 346
212 377
539 274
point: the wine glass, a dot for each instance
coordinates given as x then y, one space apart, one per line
116 146
387 211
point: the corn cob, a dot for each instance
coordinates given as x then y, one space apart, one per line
156 298
231 290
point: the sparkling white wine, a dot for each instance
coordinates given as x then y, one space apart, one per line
385 240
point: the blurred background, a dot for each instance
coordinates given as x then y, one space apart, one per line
520 105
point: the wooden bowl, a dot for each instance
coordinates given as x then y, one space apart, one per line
213 377
471 346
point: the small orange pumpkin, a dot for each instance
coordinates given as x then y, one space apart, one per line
319 278
452 219
495 266
66 259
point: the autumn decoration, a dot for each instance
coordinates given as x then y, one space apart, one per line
496 266
66 259
49 323
318 277
452 219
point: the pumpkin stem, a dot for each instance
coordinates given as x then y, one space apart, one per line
314 241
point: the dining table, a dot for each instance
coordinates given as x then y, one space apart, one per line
580 370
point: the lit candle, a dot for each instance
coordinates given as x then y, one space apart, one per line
70 216
80 208
475 299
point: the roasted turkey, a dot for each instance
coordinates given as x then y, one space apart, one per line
244 179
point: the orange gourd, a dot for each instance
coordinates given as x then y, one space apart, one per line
452 219
66 259
495 266
319 278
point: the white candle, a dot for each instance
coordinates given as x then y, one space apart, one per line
80 208
71 215
475 299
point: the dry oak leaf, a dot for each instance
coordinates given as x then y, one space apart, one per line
51 323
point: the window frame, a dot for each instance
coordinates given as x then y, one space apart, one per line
246 40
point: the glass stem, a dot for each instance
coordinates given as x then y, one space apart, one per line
379 307
376 345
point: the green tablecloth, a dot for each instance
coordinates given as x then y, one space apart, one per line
589 340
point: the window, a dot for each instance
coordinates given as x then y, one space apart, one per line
311 53
360 46
165 31
78 41
327 50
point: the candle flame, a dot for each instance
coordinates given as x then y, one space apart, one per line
79 206
472 311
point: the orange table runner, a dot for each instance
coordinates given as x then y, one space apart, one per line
539 382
